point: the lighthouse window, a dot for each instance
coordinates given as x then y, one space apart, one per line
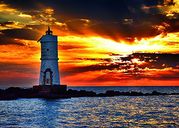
47 49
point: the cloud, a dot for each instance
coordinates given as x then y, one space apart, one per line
8 14
118 78
70 47
15 67
122 18
114 19
21 34
162 74
14 74
11 79
146 65
7 41
10 25
96 38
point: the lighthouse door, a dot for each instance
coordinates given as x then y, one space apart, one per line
48 77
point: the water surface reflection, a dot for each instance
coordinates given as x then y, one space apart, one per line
121 111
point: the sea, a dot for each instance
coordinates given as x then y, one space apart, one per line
95 112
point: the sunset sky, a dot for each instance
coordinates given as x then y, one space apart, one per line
101 42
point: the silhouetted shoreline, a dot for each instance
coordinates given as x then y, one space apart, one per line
13 93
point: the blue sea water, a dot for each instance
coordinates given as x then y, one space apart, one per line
92 112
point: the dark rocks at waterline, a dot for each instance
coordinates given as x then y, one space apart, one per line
50 93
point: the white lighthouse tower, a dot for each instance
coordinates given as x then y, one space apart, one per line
49 72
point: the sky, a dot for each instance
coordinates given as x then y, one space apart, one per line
101 42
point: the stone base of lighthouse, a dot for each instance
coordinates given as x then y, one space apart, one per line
48 89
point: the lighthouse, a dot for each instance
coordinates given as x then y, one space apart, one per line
49 71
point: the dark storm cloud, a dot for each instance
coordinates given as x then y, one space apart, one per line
6 23
153 2
174 24
114 18
170 75
89 68
98 9
142 29
92 9
27 34
159 2
158 62
6 41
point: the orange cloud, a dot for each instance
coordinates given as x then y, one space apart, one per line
91 56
